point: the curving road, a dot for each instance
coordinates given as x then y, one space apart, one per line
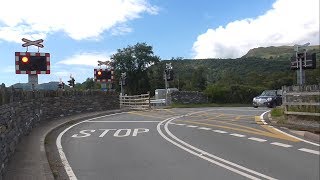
185 144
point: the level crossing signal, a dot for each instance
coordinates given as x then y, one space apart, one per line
61 85
71 82
32 63
103 75
308 61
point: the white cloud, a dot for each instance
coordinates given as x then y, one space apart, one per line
79 19
87 59
289 22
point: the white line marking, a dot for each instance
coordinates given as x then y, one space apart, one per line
204 128
122 121
180 124
261 117
238 135
219 131
192 126
63 157
257 139
281 144
201 155
309 151
208 154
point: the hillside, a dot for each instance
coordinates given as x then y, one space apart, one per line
253 70
272 52
44 86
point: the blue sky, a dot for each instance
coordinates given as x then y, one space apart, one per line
78 33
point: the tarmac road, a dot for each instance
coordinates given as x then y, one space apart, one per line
184 144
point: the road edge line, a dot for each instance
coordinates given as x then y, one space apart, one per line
62 155
264 122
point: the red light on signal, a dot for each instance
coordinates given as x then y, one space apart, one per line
99 73
25 59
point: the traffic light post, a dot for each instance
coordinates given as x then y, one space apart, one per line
301 61
168 76
122 82
71 82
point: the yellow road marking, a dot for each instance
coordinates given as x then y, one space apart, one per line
264 133
220 115
169 111
272 130
237 125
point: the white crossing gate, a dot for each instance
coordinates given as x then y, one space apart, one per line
138 102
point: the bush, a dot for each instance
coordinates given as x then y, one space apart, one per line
232 94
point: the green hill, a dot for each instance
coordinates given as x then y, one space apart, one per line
234 80
281 52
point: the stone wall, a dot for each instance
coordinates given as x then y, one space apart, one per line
188 97
22 110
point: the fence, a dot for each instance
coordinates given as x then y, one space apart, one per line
301 100
139 102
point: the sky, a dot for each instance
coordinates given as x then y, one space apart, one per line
78 33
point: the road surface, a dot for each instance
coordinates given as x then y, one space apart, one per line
184 144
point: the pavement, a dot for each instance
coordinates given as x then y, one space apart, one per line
29 161
302 134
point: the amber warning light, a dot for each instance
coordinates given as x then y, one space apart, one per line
25 59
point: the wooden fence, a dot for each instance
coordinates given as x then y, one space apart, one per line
301 100
138 102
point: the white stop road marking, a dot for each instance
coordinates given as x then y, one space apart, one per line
116 132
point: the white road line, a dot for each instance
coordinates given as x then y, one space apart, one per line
261 117
63 157
238 135
199 151
257 139
203 157
309 151
204 128
219 131
122 121
180 124
281 144
192 126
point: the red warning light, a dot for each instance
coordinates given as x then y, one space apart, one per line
25 59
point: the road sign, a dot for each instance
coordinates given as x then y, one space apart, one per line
32 43
103 75
32 63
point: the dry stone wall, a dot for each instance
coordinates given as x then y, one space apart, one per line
188 97
20 111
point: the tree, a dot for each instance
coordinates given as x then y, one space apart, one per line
135 60
199 81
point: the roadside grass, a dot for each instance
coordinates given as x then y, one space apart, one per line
277 112
278 115
207 105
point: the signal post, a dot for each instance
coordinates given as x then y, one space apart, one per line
104 75
32 63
